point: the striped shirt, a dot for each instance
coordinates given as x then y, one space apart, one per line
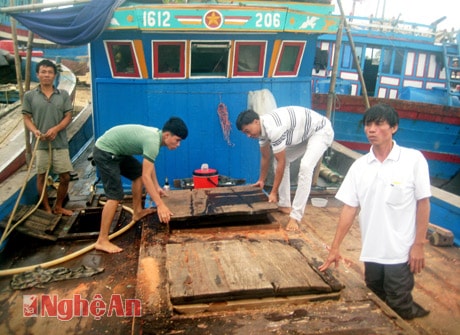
289 126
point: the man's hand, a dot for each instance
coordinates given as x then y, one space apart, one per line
162 192
273 197
417 258
259 184
333 257
51 134
164 214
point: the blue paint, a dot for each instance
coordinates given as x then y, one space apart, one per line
447 216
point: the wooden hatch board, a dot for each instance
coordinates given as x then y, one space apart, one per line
236 200
37 223
203 272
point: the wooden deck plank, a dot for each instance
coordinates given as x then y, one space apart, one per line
297 277
235 200
179 202
192 271
244 275
198 273
237 269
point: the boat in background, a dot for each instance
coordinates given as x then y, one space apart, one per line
410 66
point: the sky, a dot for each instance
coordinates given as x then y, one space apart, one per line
419 11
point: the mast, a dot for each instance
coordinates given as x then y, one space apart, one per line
331 93
355 57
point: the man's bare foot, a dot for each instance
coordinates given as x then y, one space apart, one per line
45 207
107 246
143 213
63 211
292 225
285 210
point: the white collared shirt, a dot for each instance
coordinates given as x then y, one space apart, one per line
387 193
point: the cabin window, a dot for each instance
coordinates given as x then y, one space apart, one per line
169 59
373 56
122 59
209 59
289 58
392 61
321 60
398 62
386 64
359 51
249 58
348 60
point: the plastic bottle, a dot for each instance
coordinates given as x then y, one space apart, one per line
166 186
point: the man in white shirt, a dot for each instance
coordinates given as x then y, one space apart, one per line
390 187
290 132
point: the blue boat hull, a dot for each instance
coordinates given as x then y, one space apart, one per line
447 215
430 128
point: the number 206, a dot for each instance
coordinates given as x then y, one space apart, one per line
268 20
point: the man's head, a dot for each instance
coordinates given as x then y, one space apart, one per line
174 131
46 63
381 113
46 72
249 123
380 124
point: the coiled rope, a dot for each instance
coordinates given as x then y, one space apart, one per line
60 260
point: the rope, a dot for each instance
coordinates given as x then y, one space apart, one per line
9 230
60 260
70 256
10 131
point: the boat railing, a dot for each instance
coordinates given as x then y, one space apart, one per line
392 25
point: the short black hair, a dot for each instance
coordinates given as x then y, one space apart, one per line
46 63
381 112
176 126
245 118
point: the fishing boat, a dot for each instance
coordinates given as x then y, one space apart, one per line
410 66
226 264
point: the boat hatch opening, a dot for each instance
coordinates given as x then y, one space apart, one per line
83 224
223 222
86 224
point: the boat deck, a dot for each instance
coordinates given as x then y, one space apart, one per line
166 269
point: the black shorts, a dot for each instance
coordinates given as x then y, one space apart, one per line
111 167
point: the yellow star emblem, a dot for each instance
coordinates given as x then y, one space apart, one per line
213 19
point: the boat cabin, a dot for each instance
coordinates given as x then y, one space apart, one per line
399 60
190 60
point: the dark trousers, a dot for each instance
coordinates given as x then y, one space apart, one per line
391 283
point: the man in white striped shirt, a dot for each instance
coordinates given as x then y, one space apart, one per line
290 132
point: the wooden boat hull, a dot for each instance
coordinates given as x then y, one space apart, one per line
432 129
80 133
